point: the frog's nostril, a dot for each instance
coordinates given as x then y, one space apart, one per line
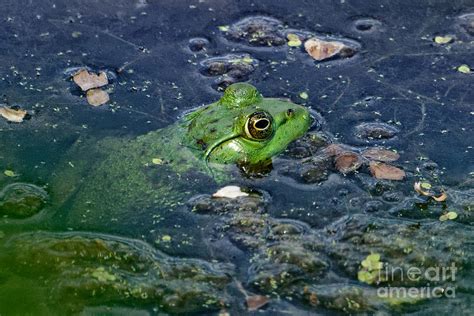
290 112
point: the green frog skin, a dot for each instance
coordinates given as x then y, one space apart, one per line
117 179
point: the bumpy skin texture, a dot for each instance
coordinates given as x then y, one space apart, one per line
117 179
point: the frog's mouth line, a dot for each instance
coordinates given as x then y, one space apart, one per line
216 144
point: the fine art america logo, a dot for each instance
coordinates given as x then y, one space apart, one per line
433 276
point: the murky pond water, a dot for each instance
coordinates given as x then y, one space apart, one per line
103 212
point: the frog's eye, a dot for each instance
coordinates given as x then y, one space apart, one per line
259 126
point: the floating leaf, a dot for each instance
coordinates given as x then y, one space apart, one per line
371 267
102 275
372 262
9 173
86 80
380 154
425 185
465 69
157 161
443 39
230 192
321 50
304 95
448 216
293 40
96 97
223 28
12 115
419 190
365 276
384 171
244 60
255 302
247 60
76 34
452 215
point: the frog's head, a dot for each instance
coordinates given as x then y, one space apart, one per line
243 127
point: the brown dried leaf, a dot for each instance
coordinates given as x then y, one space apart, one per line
320 50
96 97
440 198
255 302
380 154
348 162
86 80
12 115
334 150
384 171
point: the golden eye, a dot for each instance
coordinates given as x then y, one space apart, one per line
259 126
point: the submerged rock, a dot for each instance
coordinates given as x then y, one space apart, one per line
402 245
258 31
83 269
198 44
234 65
367 25
466 22
322 268
22 200
228 69
376 131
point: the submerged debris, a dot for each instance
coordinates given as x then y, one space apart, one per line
384 171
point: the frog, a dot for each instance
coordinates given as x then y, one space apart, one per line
132 179
104 224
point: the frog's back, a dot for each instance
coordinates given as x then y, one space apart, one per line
116 179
